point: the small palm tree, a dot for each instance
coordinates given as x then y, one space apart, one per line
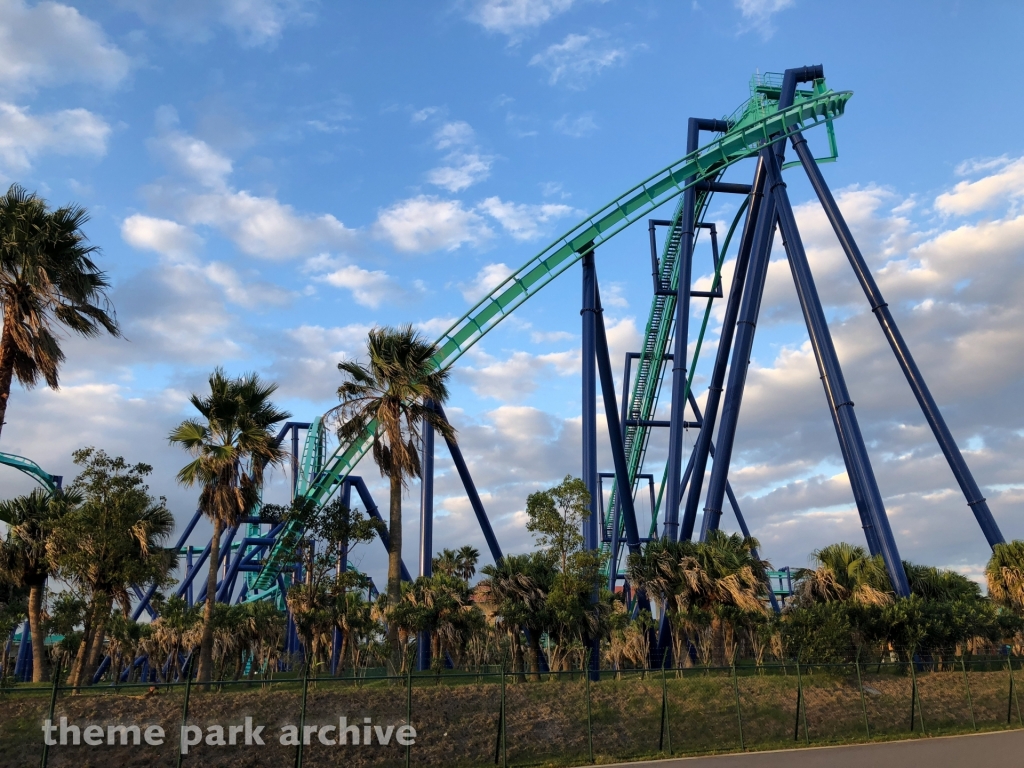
25 561
390 397
47 279
844 572
233 444
1005 574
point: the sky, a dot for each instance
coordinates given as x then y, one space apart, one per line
269 179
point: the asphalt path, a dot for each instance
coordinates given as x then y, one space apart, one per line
1004 749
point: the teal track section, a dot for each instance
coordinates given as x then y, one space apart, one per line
757 123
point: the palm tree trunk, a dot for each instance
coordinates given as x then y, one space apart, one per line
100 619
206 644
395 564
535 653
6 377
40 669
75 678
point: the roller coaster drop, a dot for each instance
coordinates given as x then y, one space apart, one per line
776 111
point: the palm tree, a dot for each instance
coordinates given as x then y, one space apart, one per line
844 572
232 445
47 279
1005 574
390 397
25 561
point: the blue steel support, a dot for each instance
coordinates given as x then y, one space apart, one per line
622 481
732 308
144 602
371 509
970 489
426 528
687 227
589 400
188 569
23 664
858 464
744 340
474 497
225 551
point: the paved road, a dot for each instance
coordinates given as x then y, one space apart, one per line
1001 750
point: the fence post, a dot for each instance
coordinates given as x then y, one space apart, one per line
504 744
1013 690
915 697
590 718
739 714
666 721
408 712
302 711
800 701
863 702
967 685
184 708
53 703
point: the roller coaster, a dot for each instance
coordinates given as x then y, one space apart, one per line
777 112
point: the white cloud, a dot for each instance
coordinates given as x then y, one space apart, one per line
456 133
24 136
522 221
577 59
513 379
168 238
426 223
368 288
972 196
256 23
486 280
265 227
253 294
195 158
577 127
512 16
53 44
463 170
758 14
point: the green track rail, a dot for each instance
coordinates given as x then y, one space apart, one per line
756 123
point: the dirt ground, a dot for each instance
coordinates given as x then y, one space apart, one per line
545 723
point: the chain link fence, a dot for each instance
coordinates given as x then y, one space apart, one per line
488 717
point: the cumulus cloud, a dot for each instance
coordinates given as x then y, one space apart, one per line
168 238
487 279
522 221
53 44
757 14
972 196
465 164
260 226
255 23
426 223
510 17
369 287
578 59
24 136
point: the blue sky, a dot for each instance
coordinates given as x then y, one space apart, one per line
270 178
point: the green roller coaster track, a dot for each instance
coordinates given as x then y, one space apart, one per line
758 122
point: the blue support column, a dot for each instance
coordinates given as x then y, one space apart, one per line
144 602
589 401
23 664
732 308
371 509
426 529
858 464
474 498
964 478
751 303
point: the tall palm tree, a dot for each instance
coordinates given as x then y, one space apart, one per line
390 397
25 561
47 279
1005 574
844 572
232 444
